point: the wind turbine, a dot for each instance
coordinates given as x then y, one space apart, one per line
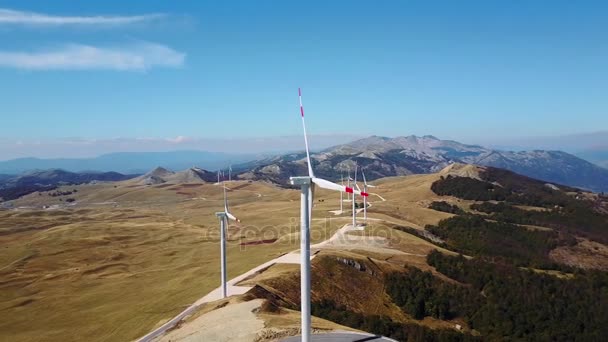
348 179
341 194
307 185
354 200
365 186
230 173
224 216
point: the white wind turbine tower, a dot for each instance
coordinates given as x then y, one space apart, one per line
348 179
341 195
224 216
230 173
307 185
365 186
354 199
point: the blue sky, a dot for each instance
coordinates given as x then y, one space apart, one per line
177 70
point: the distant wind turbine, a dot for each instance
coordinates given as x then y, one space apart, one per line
224 216
348 179
341 194
355 200
307 185
365 186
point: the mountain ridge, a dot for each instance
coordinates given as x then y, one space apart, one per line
44 180
161 175
384 156
127 162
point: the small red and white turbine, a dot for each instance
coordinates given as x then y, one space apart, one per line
365 186
341 194
355 199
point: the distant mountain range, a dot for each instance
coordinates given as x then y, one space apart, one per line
192 175
12 187
128 162
599 157
382 157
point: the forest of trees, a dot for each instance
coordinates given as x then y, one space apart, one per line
446 207
468 188
500 301
384 326
519 304
473 235
572 219
564 212
421 294
12 193
502 185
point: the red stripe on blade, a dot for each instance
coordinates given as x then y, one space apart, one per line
348 189
364 194
302 111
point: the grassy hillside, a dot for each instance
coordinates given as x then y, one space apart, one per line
138 254
124 257
508 286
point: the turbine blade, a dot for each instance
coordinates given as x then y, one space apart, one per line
232 217
225 199
365 180
325 184
310 173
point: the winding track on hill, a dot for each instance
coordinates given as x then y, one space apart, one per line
233 289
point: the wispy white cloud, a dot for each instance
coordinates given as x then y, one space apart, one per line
139 56
179 139
13 17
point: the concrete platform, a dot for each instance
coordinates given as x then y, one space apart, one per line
342 336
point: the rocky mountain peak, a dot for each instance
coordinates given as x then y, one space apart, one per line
384 156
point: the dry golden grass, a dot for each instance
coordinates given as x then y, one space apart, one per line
125 259
585 254
274 271
359 290
407 201
290 319
555 273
